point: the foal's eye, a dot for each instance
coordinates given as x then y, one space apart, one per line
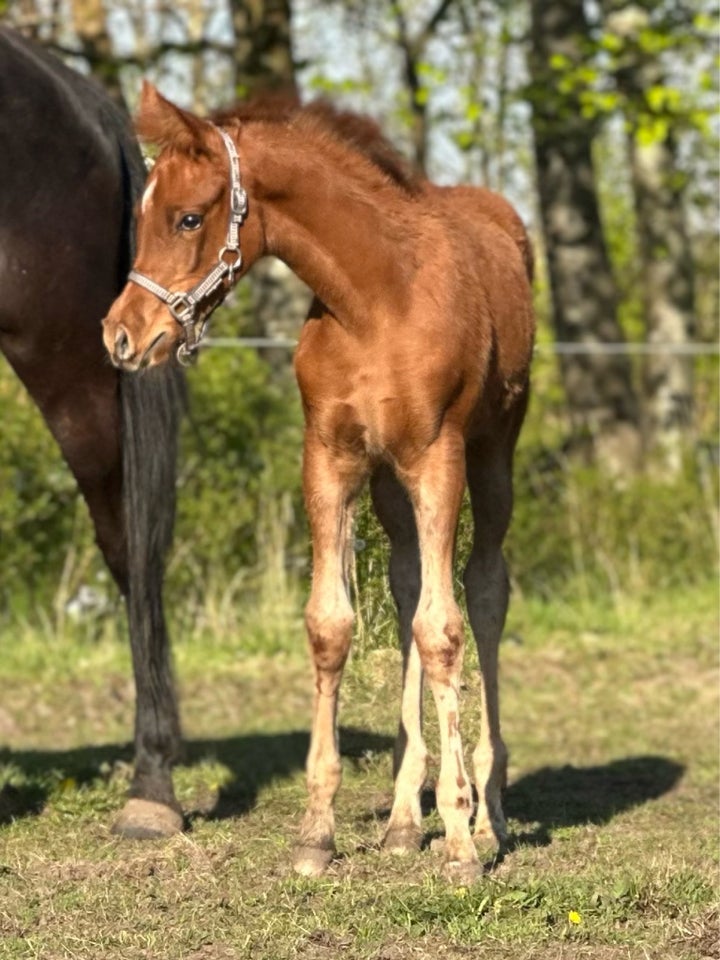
191 221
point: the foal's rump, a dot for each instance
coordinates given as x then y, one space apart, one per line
494 248
483 204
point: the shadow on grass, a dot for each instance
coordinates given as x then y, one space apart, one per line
254 760
258 760
546 800
554 797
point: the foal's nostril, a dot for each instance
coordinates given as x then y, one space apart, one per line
123 347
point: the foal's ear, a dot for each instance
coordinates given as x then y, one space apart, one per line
160 122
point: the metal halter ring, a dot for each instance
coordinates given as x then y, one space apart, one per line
235 266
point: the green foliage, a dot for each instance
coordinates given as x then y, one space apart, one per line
241 538
37 496
321 84
576 535
241 451
632 69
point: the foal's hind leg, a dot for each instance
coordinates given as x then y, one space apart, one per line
331 483
435 482
395 512
486 587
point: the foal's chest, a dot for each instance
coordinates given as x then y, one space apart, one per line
381 403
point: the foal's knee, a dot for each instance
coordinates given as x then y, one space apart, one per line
329 635
440 639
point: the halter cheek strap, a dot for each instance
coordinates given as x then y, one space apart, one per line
186 307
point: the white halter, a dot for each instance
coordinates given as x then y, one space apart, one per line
186 306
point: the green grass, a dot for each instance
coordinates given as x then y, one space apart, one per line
610 712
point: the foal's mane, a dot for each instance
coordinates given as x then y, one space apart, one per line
358 132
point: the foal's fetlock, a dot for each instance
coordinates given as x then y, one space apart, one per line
460 860
490 820
315 845
310 860
402 839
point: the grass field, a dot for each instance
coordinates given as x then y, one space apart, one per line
611 716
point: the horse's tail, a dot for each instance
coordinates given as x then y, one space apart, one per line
151 407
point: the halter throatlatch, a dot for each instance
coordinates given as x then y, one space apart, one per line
186 307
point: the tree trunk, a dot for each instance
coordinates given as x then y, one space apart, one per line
264 64
263 60
603 405
90 24
666 258
667 272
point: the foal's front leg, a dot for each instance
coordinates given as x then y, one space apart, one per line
330 484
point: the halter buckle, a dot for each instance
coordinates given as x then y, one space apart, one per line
182 307
238 203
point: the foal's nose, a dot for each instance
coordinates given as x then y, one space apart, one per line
123 345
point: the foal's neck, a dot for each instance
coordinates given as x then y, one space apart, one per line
333 218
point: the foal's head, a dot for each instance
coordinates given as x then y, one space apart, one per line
191 219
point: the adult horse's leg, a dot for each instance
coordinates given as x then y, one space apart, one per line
394 510
331 482
79 400
435 484
489 474
151 406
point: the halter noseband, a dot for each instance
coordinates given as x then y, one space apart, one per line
186 306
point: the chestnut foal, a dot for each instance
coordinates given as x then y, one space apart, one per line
413 369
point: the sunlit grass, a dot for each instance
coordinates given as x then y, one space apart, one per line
610 712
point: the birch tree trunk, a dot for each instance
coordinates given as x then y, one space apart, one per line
667 268
599 390
90 25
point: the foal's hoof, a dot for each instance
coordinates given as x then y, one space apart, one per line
147 820
312 861
401 840
490 838
461 872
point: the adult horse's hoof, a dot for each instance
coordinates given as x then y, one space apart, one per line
311 861
462 872
402 840
147 820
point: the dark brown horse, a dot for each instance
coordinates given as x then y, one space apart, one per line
413 369
69 170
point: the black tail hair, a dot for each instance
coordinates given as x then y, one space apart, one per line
152 405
